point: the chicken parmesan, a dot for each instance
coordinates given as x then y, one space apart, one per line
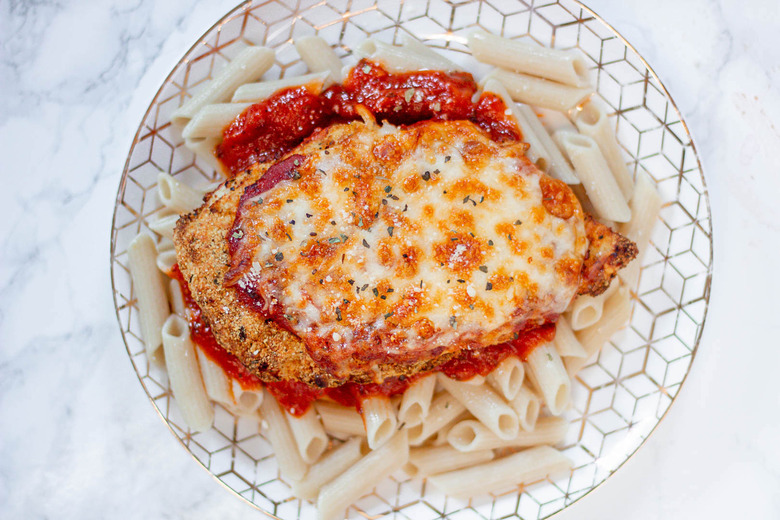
375 251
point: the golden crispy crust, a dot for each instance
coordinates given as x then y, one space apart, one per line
608 252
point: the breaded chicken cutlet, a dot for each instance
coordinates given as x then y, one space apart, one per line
371 252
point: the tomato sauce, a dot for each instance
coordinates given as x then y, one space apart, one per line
298 397
201 334
490 114
471 363
269 129
294 396
404 98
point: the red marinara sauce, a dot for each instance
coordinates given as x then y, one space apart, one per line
297 397
269 129
471 363
201 333
490 114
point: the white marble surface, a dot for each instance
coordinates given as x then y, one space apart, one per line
78 438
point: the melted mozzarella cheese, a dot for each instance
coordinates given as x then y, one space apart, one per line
408 241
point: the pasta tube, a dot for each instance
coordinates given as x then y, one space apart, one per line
485 405
507 377
277 431
547 370
184 375
592 121
520 468
473 435
540 92
340 420
416 401
362 477
439 459
592 169
330 466
250 64
149 290
309 435
444 410
567 67
318 56
380 420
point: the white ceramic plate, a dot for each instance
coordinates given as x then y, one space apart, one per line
617 400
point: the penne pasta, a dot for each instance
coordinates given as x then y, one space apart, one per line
310 436
540 92
546 369
210 121
249 65
176 299
645 207
412 55
254 92
616 315
318 56
362 477
340 420
427 461
507 377
472 435
165 222
536 152
245 400
592 121
184 375
553 120
379 418
541 150
559 166
416 401
215 381
149 290
277 431
592 169
501 474
485 405
526 404
166 260
331 465
568 67
566 343
586 310
204 148
176 195
444 410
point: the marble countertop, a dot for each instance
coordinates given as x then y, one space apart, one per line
78 437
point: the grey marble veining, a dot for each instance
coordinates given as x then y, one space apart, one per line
78 438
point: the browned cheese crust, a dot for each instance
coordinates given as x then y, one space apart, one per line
274 354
